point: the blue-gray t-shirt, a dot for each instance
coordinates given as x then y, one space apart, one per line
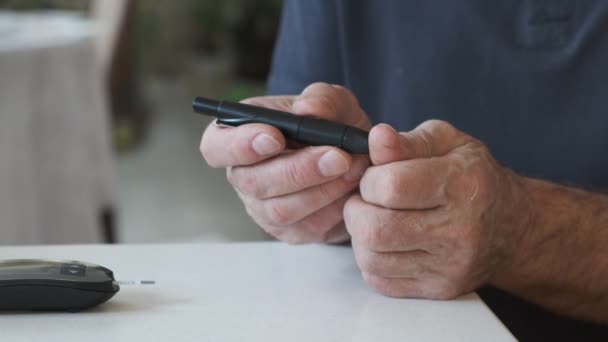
527 77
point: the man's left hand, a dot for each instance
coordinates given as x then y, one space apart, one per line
437 216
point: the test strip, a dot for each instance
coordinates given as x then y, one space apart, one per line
135 282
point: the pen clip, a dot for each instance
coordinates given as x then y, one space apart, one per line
235 121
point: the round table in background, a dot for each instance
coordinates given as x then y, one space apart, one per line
56 167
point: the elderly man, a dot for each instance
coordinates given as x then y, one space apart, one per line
435 212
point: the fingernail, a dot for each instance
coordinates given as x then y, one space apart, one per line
356 170
263 144
332 164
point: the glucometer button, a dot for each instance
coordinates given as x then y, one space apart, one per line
74 270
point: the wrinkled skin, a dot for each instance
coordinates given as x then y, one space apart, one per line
430 213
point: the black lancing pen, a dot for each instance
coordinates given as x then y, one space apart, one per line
309 130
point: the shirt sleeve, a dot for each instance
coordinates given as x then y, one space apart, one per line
307 49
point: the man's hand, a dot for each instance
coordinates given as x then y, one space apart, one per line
437 215
296 195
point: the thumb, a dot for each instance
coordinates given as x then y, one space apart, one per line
432 138
386 145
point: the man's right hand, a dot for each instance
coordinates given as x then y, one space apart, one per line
295 195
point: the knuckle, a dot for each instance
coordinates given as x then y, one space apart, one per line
351 211
277 214
390 185
352 205
319 105
385 286
316 229
276 232
252 208
433 128
230 177
373 237
445 290
335 234
284 234
376 282
318 86
333 190
244 182
437 126
310 234
326 191
293 175
369 263
254 215
296 240
347 92
318 98
298 235
291 240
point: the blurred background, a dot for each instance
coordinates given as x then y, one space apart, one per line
98 142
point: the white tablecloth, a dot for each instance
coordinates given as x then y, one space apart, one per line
55 158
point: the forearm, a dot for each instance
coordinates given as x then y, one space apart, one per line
561 262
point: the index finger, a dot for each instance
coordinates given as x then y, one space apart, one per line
385 230
409 184
224 146
433 138
242 145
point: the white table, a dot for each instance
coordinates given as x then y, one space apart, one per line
245 292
